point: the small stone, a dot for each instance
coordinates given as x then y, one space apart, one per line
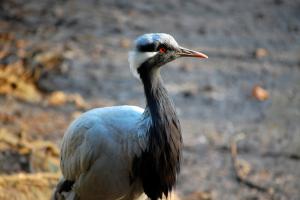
261 53
188 93
208 88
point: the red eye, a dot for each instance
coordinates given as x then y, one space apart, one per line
162 50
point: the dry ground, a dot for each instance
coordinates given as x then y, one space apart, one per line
58 59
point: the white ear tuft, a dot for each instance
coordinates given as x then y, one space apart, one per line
136 59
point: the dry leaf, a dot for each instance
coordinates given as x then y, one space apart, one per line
243 167
259 93
78 100
57 98
50 60
14 82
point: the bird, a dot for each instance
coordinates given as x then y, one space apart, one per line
127 152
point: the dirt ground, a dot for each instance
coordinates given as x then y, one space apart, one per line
240 109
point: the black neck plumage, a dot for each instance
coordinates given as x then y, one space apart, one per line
159 164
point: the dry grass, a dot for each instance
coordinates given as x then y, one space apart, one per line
27 186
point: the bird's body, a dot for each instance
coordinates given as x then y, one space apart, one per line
104 139
125 152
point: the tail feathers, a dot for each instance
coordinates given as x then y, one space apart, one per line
63 191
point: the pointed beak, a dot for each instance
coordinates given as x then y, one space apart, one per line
184 52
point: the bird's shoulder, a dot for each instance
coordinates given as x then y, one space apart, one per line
115 117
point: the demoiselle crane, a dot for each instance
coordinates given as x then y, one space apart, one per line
126 152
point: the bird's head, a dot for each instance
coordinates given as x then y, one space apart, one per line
153 50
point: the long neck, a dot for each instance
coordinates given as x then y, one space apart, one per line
164 137
160 109
159 105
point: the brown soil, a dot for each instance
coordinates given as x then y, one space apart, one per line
240 109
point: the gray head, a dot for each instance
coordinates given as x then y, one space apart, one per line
157 49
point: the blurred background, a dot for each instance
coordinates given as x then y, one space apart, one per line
240 109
